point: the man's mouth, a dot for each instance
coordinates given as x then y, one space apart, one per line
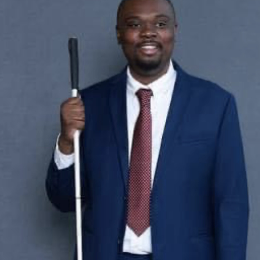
149 48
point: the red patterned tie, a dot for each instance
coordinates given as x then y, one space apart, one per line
138 211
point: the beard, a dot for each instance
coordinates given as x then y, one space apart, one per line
148 65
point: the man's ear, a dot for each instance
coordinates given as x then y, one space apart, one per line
118 35
175 30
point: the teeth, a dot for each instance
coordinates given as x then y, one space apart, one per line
148 47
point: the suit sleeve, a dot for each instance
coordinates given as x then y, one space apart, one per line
231 207
60 185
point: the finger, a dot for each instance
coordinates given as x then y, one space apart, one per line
78 125
76 101
74 113
73 118
72 109
78 118
73 100
76 108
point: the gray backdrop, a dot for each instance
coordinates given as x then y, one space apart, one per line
217 40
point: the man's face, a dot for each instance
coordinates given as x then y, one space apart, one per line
146 31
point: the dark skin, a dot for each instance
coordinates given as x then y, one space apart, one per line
146 32
72 118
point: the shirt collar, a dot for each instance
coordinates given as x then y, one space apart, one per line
159 86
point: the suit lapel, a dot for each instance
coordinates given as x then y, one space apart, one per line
178 105
117 102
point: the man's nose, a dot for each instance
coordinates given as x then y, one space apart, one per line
148 30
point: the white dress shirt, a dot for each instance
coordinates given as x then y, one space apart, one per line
162 90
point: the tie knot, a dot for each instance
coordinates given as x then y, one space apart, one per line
144 96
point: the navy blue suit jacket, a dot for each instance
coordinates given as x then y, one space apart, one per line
199 201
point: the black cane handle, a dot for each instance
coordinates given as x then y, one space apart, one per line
74 62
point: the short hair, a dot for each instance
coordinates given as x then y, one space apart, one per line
119 9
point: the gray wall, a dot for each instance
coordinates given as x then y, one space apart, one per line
218 40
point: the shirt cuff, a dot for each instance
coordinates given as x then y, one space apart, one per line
62 160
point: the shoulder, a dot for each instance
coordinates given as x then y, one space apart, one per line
102 88
203 88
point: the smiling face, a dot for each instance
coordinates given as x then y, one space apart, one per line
146 31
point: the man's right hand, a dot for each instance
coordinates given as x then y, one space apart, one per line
72 118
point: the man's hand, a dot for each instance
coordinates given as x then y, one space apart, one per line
72 117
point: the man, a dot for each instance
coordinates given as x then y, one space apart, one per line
163 168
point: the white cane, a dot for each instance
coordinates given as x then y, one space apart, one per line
74 64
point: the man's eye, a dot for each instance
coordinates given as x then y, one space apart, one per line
133 25
161 24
